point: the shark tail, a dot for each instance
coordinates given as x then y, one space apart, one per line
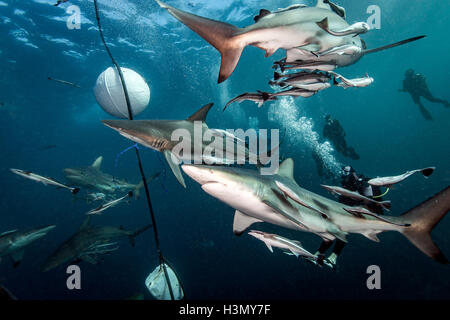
393 45
133 235
423 219
137 190
220 35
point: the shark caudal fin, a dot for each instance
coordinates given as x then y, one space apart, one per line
133 235
389 46
137 190
220 35
423 219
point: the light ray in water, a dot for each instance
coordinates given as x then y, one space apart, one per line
301 130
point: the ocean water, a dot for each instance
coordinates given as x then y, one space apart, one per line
383 125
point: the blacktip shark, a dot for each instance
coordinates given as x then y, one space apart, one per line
88 244
390 181
287 29
109 204
356 28
157 135
93 178
14 242
259 198
293 247
45 180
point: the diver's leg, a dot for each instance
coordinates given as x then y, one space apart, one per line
338 247
425 113
427 95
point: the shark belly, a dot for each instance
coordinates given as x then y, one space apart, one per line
249 204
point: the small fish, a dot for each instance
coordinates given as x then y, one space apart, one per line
360 211
389 181
258 97
304 78
95 196
356 28
348 49
64 82
349 83
291 247
277 76
294 93
110 204
356 196
45 180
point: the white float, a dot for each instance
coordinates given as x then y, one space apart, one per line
110 96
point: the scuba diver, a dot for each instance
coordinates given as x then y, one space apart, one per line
350 180
416 85
334 132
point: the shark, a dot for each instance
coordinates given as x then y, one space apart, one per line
14 242
262 198
288 29
89 244
93 178
160 135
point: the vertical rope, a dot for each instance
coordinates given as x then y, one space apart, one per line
141 169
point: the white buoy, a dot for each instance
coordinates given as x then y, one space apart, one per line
110 96
159 288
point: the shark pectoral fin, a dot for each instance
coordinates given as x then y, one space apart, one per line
98 162
242 222
174 167
17 257
371 235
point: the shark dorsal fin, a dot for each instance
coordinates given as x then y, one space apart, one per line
85 223
98 162
287 169
201 114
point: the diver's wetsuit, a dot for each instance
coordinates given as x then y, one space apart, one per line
351 181
334 132
416 85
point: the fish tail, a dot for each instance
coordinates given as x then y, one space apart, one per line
220 35
423 219
133 235
75 190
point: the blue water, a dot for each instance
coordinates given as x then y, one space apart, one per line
383 125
